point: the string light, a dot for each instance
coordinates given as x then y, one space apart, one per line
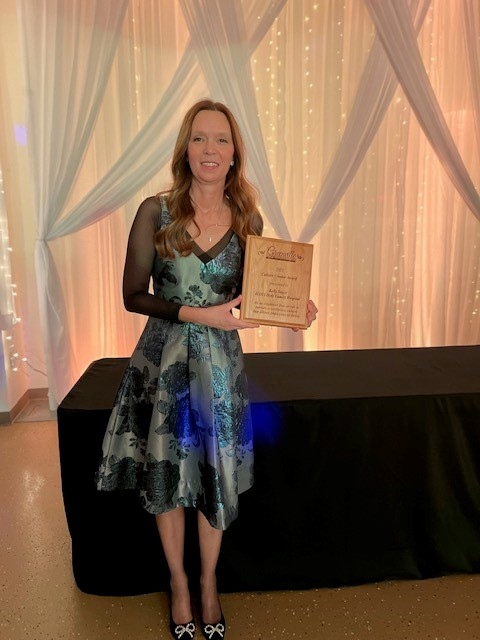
8 292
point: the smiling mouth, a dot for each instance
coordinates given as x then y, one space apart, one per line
210 164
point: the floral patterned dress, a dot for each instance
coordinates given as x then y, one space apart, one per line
180 430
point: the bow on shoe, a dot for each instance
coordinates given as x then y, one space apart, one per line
180 629
209 630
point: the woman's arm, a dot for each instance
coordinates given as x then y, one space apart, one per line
218 316
141 254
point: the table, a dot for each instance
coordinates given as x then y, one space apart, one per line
367 467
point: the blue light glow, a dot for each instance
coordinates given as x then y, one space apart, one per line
20 134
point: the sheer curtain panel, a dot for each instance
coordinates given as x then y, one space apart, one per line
68 51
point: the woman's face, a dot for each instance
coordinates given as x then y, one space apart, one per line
210 148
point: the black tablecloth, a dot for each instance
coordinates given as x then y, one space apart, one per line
367 466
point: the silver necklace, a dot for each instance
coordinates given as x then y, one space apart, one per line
217 208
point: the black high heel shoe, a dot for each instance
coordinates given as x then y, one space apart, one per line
214 631
182 631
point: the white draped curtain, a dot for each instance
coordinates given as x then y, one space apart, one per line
361 121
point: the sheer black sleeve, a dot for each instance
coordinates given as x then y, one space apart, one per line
141 254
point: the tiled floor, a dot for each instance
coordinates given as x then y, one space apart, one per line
39 599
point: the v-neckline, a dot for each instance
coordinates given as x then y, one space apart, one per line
214 250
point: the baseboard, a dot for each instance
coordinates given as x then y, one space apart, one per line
7 417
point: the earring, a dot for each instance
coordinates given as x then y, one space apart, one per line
232 163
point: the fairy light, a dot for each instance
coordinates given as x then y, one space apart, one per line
8 291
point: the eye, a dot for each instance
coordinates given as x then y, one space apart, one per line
197 139
223 141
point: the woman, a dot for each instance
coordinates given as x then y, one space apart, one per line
180 430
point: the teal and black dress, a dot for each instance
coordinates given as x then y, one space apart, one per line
180 430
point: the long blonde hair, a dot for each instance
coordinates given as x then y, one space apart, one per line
241 194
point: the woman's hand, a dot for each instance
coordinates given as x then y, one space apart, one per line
311 314
217 316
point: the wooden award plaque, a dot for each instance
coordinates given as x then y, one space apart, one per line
276 282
